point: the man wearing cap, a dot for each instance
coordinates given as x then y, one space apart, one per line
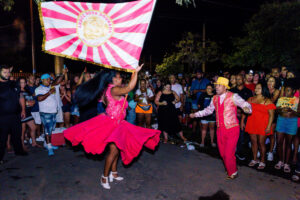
12 109
48 105
225 104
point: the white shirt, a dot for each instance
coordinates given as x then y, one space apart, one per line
50 104
178 89
239 101
57 93
149 94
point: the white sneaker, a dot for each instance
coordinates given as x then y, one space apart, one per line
106 184
201 145
112 178
249 144
270 156
30 141
40 139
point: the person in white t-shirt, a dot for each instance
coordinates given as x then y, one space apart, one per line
49 106
176 87
144 96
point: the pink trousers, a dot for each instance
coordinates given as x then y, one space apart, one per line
227 140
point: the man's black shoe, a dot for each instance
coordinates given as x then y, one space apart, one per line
21 153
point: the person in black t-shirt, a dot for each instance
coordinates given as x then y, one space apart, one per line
12 109
210 120
245 93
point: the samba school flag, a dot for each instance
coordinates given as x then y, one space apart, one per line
107 34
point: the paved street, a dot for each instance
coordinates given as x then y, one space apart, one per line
169 173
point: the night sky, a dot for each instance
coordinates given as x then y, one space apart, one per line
224 20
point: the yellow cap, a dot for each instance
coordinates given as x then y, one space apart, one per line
222 81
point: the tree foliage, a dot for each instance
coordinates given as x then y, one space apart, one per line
186 2
272 38
7 5
189 55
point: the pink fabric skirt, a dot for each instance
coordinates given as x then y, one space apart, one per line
96 133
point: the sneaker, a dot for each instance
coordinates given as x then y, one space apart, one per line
54 147
40 139
25 141
270 156
214 145
201 145
30 141
240 157
50 152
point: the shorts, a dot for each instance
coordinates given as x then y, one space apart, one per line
207 121
28 116
59 116
27 119
66 108
49 122
75 110
37 118
138 109
195 106
188 107
131 115
287 125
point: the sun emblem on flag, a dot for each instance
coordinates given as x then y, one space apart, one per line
94 28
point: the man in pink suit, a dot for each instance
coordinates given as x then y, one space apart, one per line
225 104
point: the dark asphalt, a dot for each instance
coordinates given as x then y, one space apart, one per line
170 173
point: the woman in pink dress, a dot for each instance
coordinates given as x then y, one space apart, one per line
110 128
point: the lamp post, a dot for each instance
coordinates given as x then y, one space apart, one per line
32 40
203 44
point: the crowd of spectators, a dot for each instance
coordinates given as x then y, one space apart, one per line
41 104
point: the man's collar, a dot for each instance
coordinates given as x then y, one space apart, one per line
45 86
223 94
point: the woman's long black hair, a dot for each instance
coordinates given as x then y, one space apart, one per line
93 89
26 89
264 89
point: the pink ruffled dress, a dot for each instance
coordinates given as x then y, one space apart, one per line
96 133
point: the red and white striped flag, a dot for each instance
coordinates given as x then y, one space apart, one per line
108 34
